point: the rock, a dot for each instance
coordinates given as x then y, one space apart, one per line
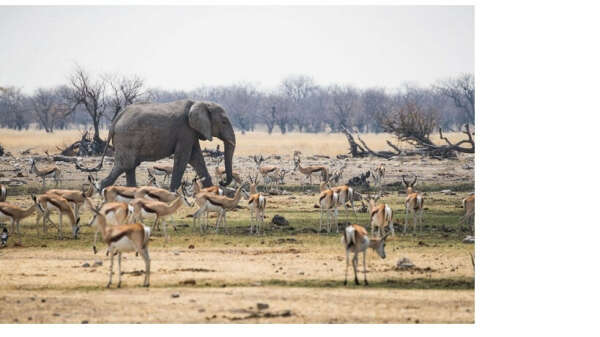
175 295
279 220
85 265
97 263
469 239
44 246
262 306
404 263
85 321
301 273
448 192
191 247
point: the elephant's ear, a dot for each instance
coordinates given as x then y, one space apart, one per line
199 119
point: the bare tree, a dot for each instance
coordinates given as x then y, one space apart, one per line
375 104
298 89
410 122
13 111
462 92
344 104
123 91
242 102
51 106
92 94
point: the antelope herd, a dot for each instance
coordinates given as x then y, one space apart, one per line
119 215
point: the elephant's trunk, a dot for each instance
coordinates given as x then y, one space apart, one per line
229 148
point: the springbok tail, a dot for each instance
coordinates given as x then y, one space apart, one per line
147 232
349 236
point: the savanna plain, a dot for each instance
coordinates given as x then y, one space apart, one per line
288 274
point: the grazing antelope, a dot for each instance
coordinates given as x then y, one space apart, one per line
209 202
381 215
257 204
3 192
281 178
197 187
152 180
143 207
379 175
75 197
15 214
413 204
355 240
115 213
50 171
52 202
345 195
268 172
469 206
114 193
337 174
122 239
220 171
161 170
308 171
328 201
198 192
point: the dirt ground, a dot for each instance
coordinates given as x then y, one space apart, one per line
218 281
221 278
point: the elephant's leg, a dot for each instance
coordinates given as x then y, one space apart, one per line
130 175
197 162
182 157
112 177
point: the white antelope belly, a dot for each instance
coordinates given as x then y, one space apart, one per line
123 199
124 245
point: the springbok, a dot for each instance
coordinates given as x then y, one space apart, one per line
308 171
379 175
152 180
268 172
414 204
75 197
328 201
3 192
220 171
209 202
381 215
197 187
15 214
50 202
345 195
161 170
122 239
114 193
50 171
257 204
337 174
199 200
143 207
355 240
469 206
115 213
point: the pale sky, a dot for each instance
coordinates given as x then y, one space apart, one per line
186 47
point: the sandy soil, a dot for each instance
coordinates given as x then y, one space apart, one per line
300 282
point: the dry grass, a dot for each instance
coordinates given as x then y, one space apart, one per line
248 144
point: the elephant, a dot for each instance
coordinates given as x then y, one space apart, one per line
152 131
